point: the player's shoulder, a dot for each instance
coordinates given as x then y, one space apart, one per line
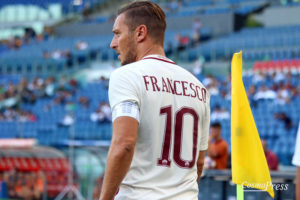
129 68
123 70
126 73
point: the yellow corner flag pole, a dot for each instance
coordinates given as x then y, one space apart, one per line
249 165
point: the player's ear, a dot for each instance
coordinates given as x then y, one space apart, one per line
141 32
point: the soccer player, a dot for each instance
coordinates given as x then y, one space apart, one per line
160 114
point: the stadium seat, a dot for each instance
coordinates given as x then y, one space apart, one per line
4 164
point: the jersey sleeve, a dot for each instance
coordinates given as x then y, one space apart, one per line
123 86
296 158
205 126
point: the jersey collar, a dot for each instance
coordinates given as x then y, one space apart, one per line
160 58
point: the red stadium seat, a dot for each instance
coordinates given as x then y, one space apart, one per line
24 165
32 164
265 66
4 165
48 165
15 162
65 164
278 66
297 62
56 164
9 163
41 164
257 66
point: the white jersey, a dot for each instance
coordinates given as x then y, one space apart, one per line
296 158
173 128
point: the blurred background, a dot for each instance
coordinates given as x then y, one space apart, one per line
55 64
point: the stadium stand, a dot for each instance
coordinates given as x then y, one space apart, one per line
46 167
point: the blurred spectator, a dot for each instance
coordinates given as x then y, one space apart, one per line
49 86
47 33
57 54
295 92
63 95
68 120
217 146
30 92
251 93
288 123
29 36
278 77
208 80
11 91
219 114
27 116
10 114
173 5
84 101
17 42
102 114
37 85
105 108
26 93
39 184
182 42
196 30
213 87
259 77
271 157
283 95
81 45
86 13
104 80
46 54
2 116
30 33
265 93
24 185
198 65
11 178
30 116
73 85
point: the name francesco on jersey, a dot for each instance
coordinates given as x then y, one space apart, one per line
175 87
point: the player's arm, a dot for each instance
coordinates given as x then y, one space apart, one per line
120 155
200 164
204 140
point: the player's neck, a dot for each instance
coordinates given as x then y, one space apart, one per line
152 50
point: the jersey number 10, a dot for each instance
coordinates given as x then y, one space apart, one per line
165 157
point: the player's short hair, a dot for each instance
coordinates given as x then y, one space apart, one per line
149 14
216 125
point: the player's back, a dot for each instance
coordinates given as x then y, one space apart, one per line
173 128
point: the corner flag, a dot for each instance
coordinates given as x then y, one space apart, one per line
249 165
